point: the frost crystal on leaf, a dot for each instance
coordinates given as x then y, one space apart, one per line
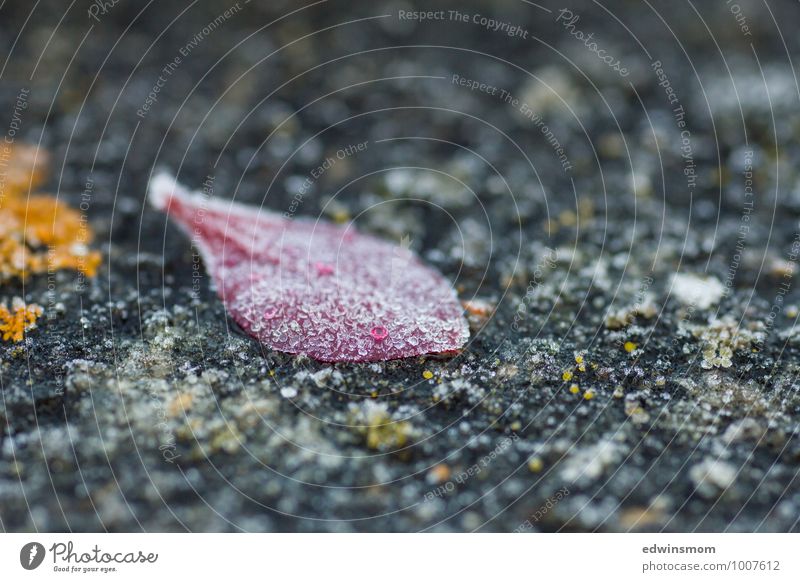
316 288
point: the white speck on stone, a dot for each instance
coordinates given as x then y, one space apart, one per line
700 292
743 430
588 464
288 392
712 477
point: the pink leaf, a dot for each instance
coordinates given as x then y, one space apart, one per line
316 288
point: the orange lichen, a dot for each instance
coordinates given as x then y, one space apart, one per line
19 319
479 307
439 474
22 168
38 233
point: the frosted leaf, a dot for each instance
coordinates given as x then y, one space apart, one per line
316 288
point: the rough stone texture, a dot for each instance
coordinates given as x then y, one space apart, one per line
137 405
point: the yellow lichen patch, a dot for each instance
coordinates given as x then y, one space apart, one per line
383 433
585 209
535 465
179 404
341 217
38 234
642 517
379 430
551 226
19 319
568 218
634 409
225 438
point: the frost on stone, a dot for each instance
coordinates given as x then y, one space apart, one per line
316 288
722 338
697 291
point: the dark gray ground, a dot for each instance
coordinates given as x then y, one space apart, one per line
137 405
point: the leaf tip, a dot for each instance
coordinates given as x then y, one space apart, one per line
162 189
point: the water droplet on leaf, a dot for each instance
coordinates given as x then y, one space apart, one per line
379 333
